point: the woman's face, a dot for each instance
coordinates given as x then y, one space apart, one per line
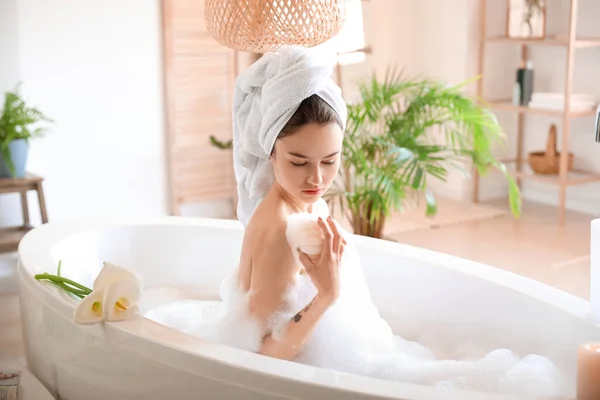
306 162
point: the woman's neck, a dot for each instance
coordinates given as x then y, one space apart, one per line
293 204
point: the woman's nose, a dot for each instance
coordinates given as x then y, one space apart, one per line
315 177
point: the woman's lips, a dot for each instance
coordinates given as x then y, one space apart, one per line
312 192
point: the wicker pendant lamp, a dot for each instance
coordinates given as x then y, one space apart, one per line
260 26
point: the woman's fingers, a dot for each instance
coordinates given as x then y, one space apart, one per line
305 260
337 237
328 237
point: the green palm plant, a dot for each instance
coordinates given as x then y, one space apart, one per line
390 152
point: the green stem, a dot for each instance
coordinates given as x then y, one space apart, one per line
78 289
67 289
56 278
74 289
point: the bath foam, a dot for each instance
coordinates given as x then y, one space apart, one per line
352 336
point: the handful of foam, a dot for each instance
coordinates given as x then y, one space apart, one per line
303 232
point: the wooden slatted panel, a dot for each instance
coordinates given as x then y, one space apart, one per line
199 78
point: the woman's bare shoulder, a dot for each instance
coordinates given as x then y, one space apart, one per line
271 251
273 265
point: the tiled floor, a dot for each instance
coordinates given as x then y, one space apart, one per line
535 247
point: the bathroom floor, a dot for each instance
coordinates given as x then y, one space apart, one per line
536 247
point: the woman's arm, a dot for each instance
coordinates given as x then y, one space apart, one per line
288 340
274 269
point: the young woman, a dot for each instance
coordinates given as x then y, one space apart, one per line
289 121
305 160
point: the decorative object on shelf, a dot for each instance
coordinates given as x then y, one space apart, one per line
524 79
548 162
389 151
516 96
17 121
526 19
261 26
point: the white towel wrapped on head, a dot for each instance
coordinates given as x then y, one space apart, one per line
266 96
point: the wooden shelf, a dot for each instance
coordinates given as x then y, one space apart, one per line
570 42
10 237
507 105
573 178
580 43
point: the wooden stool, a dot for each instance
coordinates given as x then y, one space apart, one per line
10 237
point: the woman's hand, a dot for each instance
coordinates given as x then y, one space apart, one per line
323 269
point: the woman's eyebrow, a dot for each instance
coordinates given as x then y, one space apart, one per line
303 156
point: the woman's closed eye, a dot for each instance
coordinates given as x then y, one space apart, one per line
300 164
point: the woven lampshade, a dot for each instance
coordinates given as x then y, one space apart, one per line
260 26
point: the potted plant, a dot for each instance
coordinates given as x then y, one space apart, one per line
390 151
17 128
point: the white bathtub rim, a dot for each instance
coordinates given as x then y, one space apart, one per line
38 243
60 230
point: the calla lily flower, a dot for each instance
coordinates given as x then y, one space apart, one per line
116 292
120 300
114 297
89 310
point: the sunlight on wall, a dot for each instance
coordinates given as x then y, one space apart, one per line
351 38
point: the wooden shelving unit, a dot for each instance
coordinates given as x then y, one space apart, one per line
11 236
571 42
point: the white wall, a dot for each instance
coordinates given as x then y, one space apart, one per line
9 45
95 67
445 39
10 74
403 35
389 26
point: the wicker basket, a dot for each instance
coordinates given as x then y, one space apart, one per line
260 26
548 162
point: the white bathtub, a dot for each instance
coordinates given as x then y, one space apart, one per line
454 300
